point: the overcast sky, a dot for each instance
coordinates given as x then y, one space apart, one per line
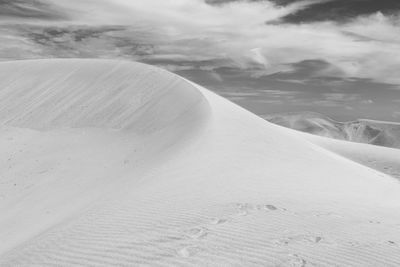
338 57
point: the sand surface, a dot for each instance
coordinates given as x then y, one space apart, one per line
107 163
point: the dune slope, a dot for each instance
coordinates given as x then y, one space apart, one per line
115 163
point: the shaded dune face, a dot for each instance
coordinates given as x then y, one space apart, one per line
51 94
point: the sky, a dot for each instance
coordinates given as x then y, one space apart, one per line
340 58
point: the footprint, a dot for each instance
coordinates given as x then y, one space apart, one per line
281 242
374 222
240 206
270 207
243 213
243 209
326 214
354 244
391 243
187 252
168 239
285 241
197 233
216 221
295 261
246 206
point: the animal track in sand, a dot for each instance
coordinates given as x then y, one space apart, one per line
216 221
296 261
244 209
168 239
326 214
243 213
374 222
197 233
271 207
267 207
310 239
189 251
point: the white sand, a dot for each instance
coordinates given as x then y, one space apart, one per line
107 163
383 159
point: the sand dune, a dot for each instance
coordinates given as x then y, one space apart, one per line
383 159
107 163
372 132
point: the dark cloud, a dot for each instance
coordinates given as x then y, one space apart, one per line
315 70
59 35
29 9
221 2
85 41
209 64
340 10
334 10
301 89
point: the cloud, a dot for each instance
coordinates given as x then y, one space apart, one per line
340 10
367 102
312 70
238 31
33 9
243 35
396 115
340 97
36 41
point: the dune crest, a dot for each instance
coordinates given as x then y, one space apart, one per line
107 163
49 94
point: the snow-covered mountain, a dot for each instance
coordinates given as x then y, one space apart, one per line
372 132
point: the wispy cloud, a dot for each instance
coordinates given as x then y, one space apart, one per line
396 115
247 35
30 10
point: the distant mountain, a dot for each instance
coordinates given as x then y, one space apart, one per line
380 133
